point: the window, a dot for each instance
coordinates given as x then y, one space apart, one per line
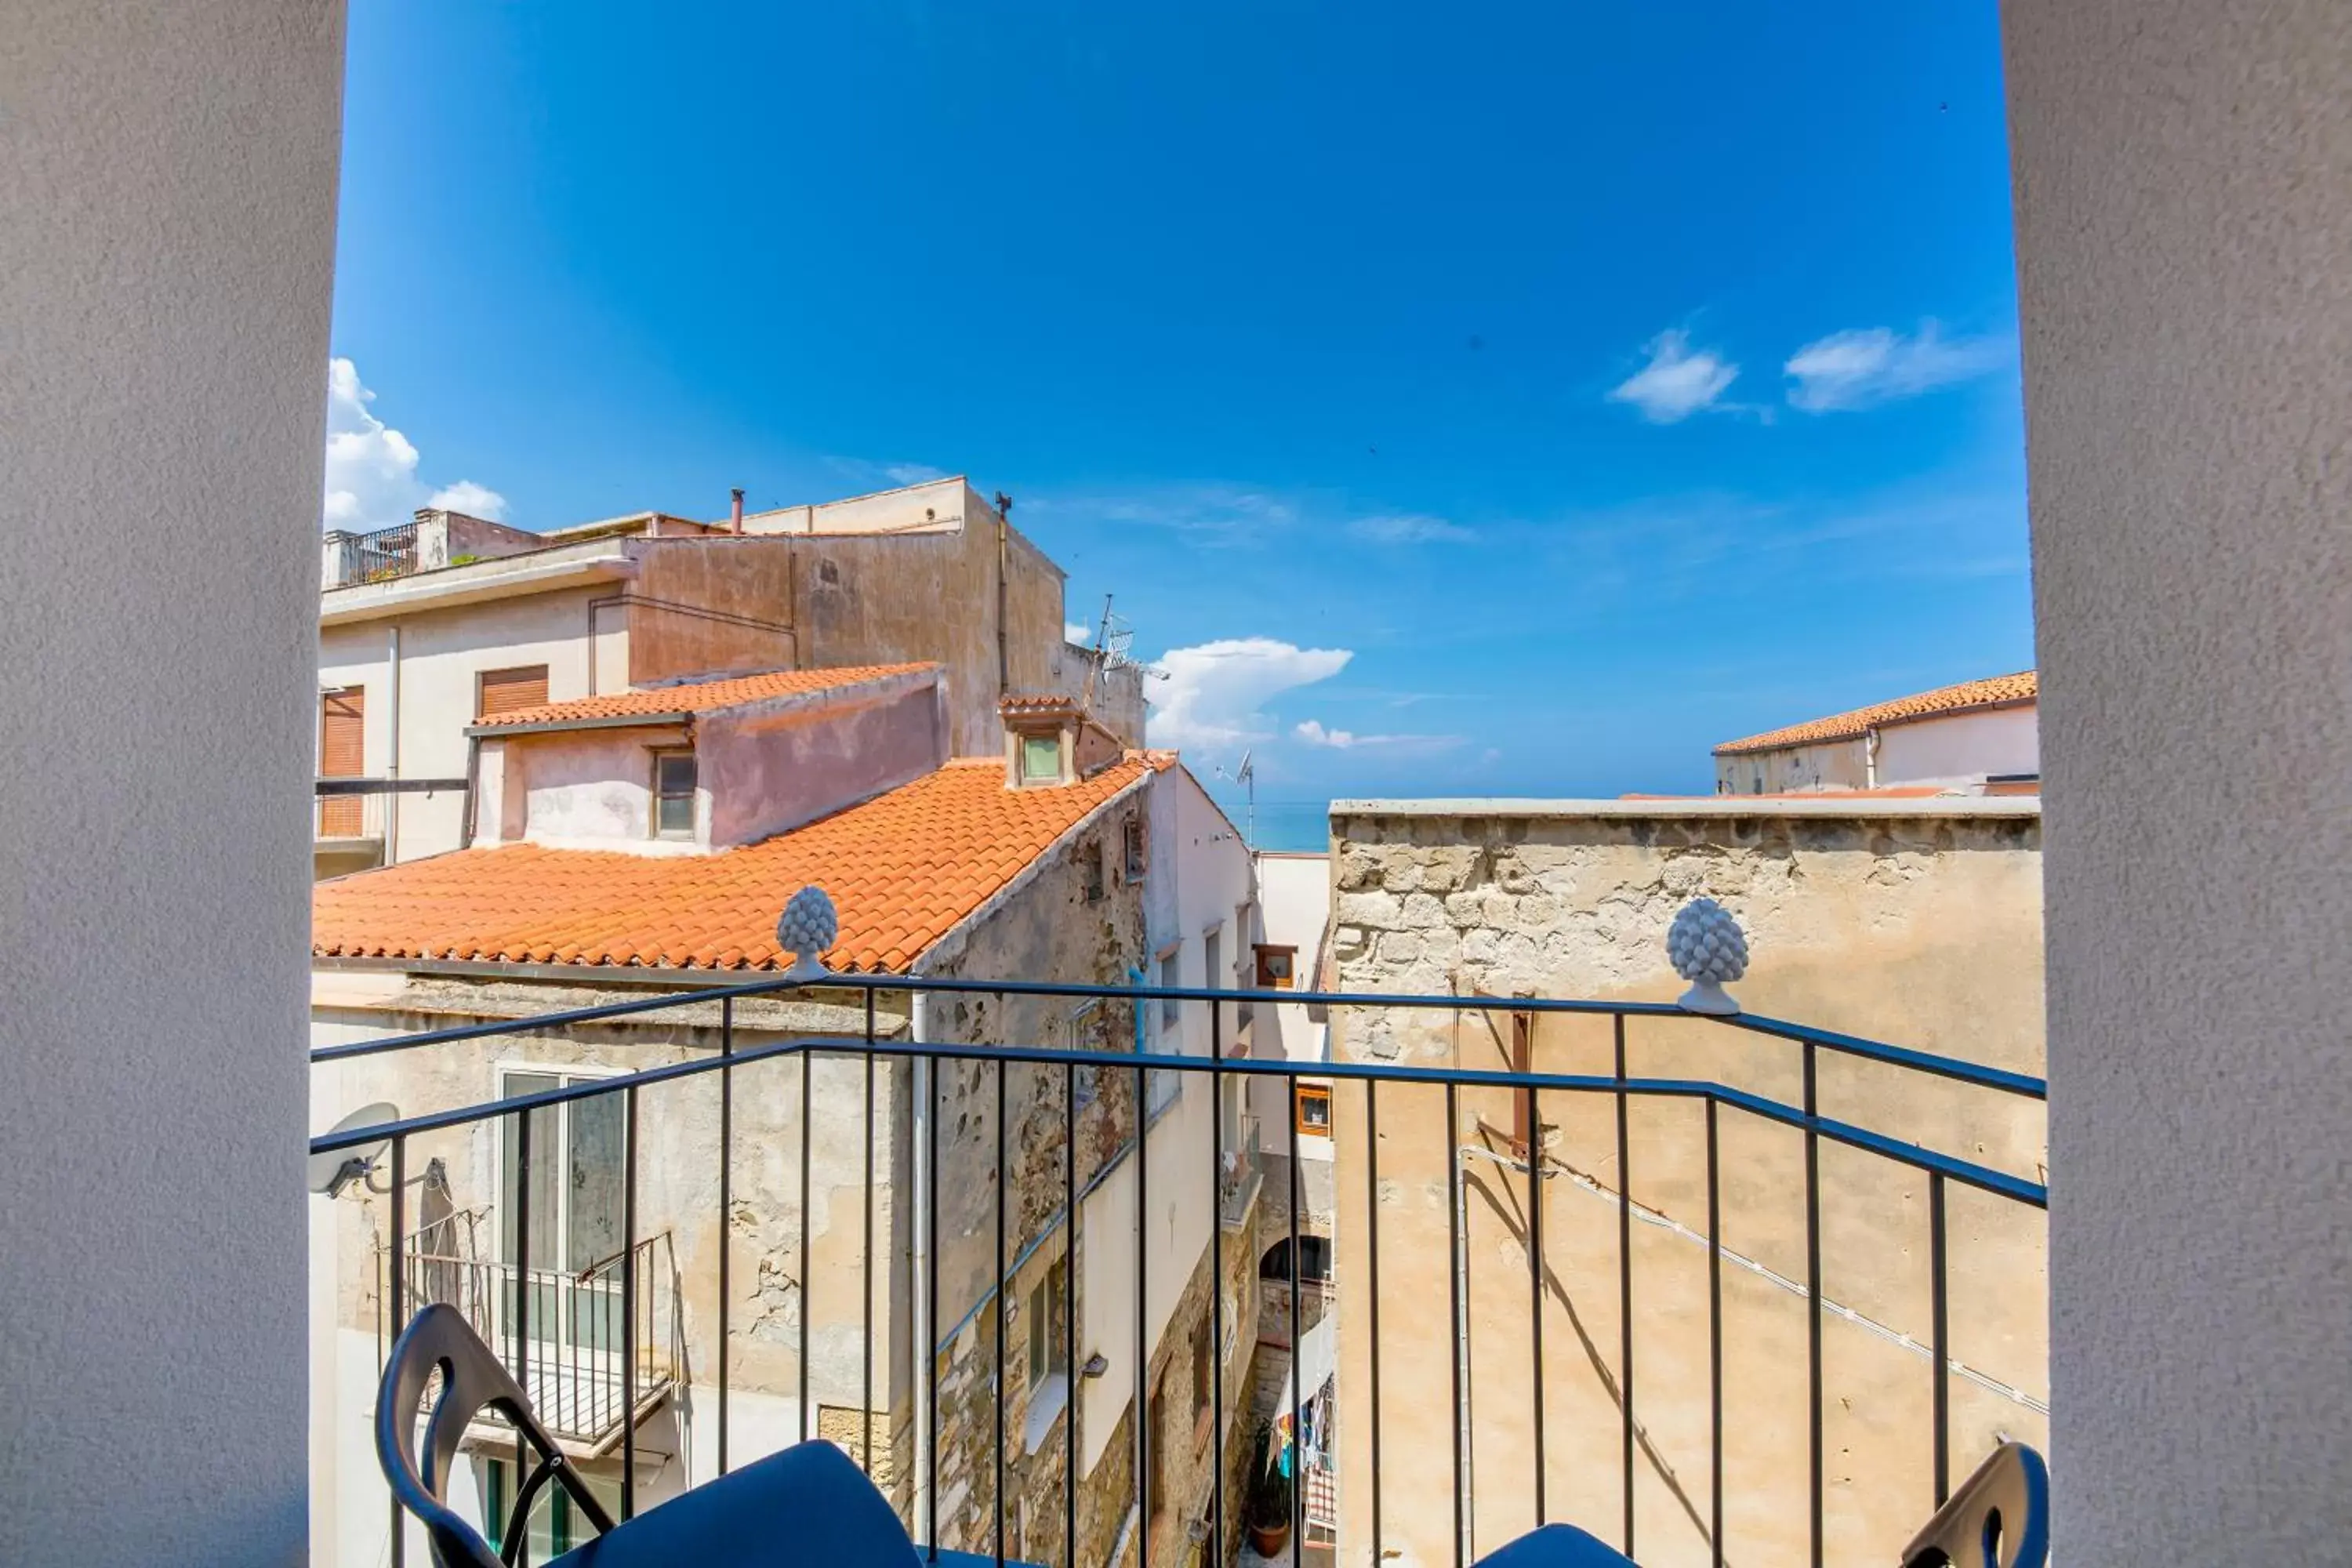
1214 942
1155 1496
1172 975
1278 966
498 691
1041 759
1139 848
1090 866
1049 1339
673 795
1077 1034
1315 1109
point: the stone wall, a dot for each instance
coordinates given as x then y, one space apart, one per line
1916 923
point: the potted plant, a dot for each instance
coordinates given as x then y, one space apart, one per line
1269 1496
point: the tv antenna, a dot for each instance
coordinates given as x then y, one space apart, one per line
1244 773
332 1171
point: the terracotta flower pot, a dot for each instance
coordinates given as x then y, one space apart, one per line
1270 1540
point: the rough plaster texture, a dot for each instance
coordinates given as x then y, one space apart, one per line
1917 924
2184 187
169 177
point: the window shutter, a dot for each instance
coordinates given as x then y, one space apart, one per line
342 755
511 690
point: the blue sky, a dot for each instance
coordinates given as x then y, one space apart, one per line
1476 401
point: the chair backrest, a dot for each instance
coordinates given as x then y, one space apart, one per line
1999 1517
439 1339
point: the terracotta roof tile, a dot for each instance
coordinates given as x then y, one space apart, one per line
1036 702
704 696
1998 692
902 870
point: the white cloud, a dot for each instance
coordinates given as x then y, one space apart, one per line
1214 694
912 473
1677 382
1860 368
1315 734
1408 527
1077 632
473 499
372 468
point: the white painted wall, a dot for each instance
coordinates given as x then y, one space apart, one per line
1295 891
165 268
1960 746
2184 199
1199 872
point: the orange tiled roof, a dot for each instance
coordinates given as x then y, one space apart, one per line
703 696
1034 702
901 869
1998 692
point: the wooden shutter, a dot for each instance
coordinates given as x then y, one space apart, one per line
511 690
342 755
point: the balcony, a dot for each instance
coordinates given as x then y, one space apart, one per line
928 1251
595 1343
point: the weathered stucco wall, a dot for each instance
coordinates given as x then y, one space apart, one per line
708 606
678 1170
2184 210
1835 765
768 769
1920 927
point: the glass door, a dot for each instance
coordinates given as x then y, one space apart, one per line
572 1272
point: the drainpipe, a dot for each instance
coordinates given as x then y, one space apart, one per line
921 1268
1004 654
1870 759
392 751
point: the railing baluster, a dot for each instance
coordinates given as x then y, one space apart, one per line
1141 1404
1457 1419
1373 1285
628 1412
1813 1298
1217 1279
931 1311
726 1200
808 1292
399 1316
1938 1292
1714 1338
866 1397
1626 1282
522 1526
1298 1338
1535 1281
1070 1313
1003 1285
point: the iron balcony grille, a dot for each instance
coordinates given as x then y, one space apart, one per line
1392 1096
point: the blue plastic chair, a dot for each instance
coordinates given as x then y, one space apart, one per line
808 1507
1999 1517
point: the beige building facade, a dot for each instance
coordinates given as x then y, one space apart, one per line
1913 923
456 619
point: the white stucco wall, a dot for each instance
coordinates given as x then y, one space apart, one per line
169 177
1199 872
1960 746
1296 891
2184 185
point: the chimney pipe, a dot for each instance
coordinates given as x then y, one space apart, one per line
735 518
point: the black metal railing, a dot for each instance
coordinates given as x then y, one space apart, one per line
1391 1094
573 1346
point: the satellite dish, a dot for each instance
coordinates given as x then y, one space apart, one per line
332 1171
